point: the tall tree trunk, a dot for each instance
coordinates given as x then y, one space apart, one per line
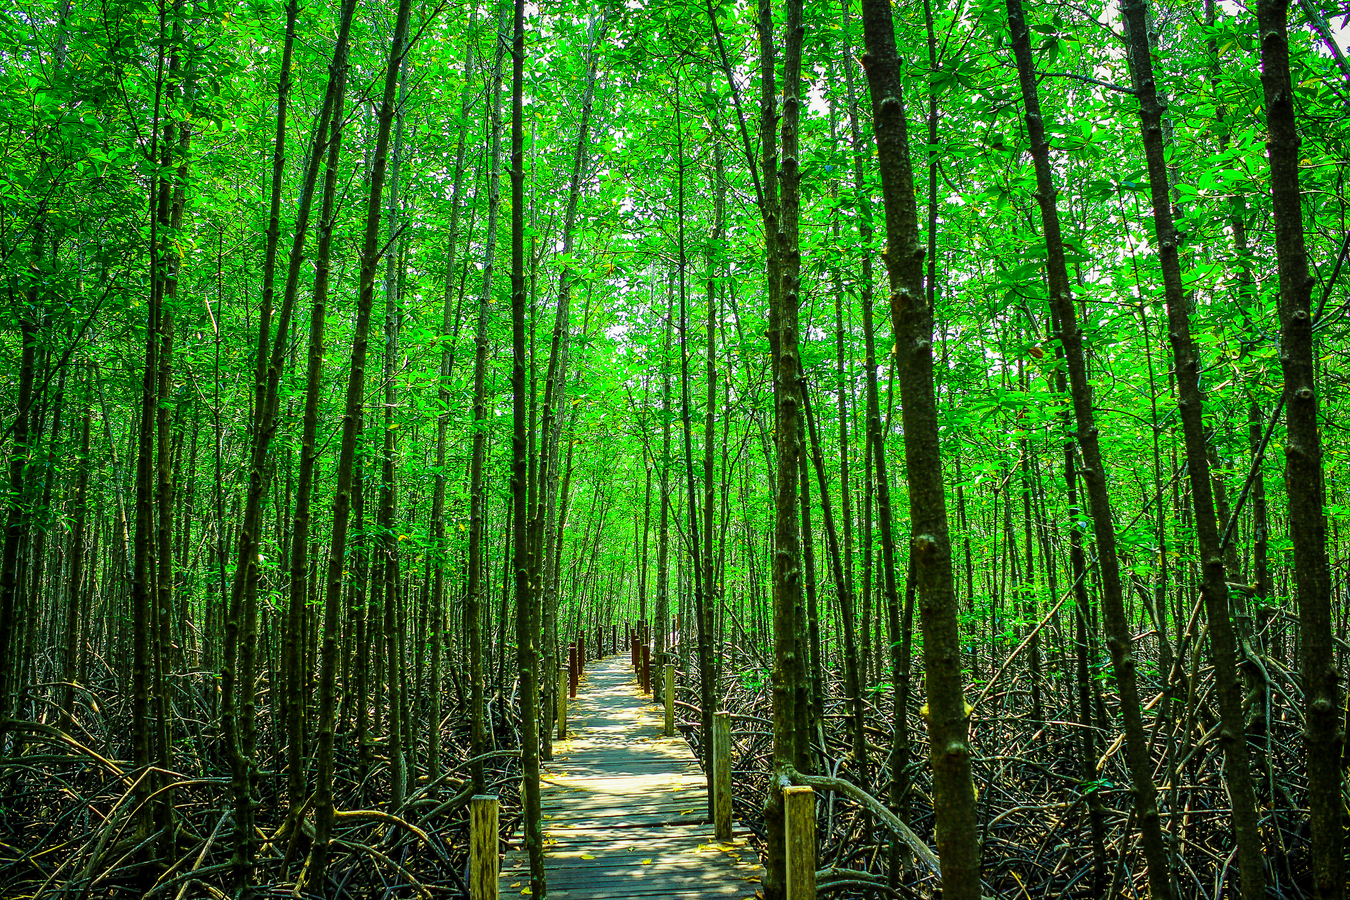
790 749
449 330
663 530
325 814
1119 636
236 676
75 581
555 384
1191 399
527 637
912 321
707 626
334 102
475 590
14 517
386 516
1303 460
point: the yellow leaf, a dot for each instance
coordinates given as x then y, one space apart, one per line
646 862
587 856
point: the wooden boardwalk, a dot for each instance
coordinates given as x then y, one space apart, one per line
625 809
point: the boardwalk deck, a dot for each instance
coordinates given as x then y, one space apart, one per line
625 809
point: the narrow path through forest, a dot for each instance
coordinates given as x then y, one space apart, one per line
625 809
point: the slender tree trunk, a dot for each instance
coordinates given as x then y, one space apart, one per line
912 321
75 581
449 325
1119 635
300 563
789 675
707 628
527 638
1214 587
325 814
388 558
843 588
1303 460
476 589
545 477
14 518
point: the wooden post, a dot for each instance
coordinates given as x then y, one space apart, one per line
562 703
670 699
721 761
614 638
483 861
799 819
646 669
581 651
572 670
636 670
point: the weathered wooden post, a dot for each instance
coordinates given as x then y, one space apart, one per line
483 860
799 819
636 661
581 651
670 699
646 669
562 703
572 670
721 761
614 638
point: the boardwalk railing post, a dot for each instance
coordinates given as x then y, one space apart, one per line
581 651
483 861
562 703
572 670
669 687
799 819
646 669
721 761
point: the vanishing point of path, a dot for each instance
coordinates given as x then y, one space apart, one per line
625 809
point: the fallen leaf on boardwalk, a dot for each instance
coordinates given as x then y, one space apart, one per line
516 885
526 891
646 862
587 856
